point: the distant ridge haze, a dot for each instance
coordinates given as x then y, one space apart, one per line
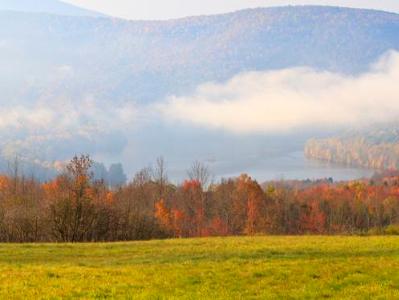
172 9
47 6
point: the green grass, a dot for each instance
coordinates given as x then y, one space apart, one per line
215 268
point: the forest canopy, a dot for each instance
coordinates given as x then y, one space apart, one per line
76 207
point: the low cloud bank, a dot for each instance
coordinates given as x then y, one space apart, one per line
58 130
284 100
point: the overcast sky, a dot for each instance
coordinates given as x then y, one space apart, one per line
166 9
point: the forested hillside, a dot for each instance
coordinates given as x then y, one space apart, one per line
147 60
374 148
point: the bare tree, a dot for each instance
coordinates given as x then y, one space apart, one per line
160 175
72 209
199 171
80 167
143 177
14 171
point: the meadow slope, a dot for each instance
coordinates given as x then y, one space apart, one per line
220 268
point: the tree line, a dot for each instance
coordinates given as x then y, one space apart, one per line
75 207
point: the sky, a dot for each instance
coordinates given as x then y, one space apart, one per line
169 9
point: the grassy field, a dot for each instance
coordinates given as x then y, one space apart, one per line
214 268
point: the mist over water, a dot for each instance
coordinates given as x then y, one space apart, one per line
293 98
264 157
259 122
225 90
255 123
292 166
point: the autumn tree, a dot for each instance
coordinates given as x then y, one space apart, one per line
71 205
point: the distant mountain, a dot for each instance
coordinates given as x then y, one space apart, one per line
46 6
145 61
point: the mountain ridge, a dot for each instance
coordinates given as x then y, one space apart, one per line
280 7
325 38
